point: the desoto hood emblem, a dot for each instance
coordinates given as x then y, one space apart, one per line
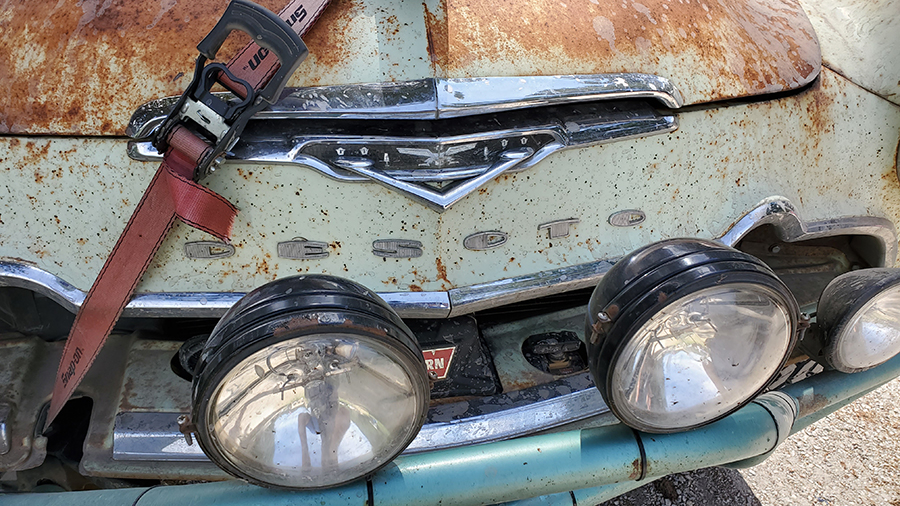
438 140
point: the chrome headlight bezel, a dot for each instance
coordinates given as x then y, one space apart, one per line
656 276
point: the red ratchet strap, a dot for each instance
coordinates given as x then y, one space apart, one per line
173 192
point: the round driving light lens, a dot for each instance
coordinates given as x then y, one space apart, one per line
859 313
684 332
309 382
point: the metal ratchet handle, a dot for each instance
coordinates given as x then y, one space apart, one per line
267 30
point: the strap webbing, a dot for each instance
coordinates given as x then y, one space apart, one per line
172 193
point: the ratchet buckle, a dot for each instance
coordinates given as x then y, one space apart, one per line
214 117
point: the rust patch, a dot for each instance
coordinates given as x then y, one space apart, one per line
415 288
635 470
127 394
612 311
329 41
819 108
723 49
263 267
88 65
85 66
812 404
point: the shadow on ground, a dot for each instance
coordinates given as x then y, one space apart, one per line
715 486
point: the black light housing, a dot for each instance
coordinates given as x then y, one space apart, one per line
308 382
858 320
643 322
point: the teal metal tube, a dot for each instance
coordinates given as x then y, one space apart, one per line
829 391
511 470
816 398
592 462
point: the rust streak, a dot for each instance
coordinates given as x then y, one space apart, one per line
437 39
442 271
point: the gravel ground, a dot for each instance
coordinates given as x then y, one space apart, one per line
850 458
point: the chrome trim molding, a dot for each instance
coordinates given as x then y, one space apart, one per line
155 436
461 97
776 211
22 275
782 214
474 298
510 423
192 304
437 98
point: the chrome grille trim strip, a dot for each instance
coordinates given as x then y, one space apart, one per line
776 211
437 98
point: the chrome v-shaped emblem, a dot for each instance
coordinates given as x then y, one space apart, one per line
437 140
433 198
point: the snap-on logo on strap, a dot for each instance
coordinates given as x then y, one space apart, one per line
70 370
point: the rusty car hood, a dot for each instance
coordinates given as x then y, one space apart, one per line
82 66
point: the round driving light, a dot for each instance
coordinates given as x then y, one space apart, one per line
683 332
859 315
309 382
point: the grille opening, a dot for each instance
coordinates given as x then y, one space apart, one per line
807 267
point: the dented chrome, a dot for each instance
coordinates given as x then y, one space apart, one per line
783 216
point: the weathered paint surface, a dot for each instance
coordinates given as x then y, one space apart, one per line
710 49
831 150
82 67
860 40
